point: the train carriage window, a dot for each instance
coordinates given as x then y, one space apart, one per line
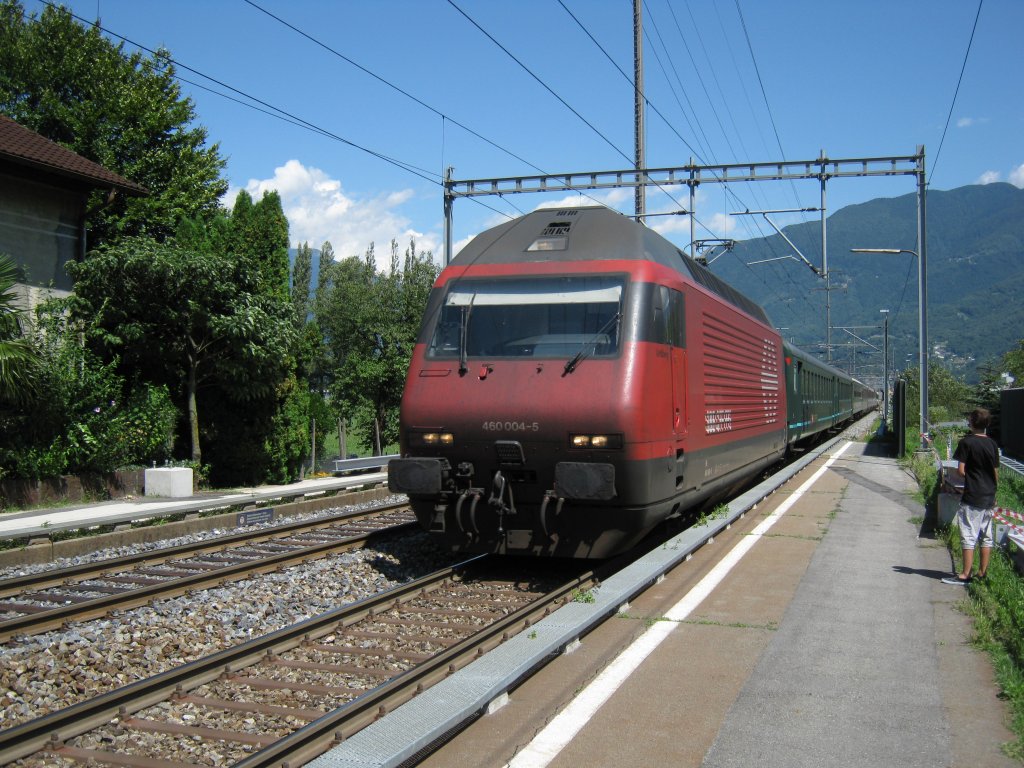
667 323
678 319
530 317
661 323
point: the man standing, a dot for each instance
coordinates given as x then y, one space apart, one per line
977 458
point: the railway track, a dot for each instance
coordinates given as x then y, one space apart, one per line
43 601
285 697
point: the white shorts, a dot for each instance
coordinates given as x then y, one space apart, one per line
975 526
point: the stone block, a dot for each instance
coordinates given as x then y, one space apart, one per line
172 482
949 503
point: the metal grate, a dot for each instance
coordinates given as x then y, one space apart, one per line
509 452
1011 464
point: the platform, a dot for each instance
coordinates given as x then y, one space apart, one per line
40 522
831 641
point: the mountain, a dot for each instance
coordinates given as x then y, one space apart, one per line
975 264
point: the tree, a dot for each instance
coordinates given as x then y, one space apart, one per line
82 415
174 309
261 240
18 356
124 111
302 273
1013 363
370 322
949 398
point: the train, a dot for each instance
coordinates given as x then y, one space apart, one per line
577 380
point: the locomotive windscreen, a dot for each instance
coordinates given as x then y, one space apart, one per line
529 317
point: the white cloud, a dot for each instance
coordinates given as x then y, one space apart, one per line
666 225
1017 176
988 177
612 198
458 245
318 210
967 122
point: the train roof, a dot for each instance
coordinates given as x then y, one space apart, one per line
589 234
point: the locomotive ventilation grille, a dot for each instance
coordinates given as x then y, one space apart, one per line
741 381
510 452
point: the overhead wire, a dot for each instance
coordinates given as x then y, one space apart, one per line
696 71
647 102
671 127
550 90
956 92
383 80
739 77
707 95
277 112
764 95
754 188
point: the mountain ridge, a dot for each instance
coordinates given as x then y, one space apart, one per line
975 238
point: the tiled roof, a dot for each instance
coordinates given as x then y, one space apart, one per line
24 147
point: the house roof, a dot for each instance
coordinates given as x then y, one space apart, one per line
27 148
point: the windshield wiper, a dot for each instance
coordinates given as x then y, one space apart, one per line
464 335
590 344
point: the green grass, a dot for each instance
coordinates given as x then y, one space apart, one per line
352 445
1010 494
583 596
997 607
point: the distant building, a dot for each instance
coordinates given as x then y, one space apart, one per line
44 189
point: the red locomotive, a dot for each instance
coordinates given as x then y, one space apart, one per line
577 380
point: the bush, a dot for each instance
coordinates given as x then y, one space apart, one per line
83 416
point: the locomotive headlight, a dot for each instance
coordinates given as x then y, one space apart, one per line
432 438
595 441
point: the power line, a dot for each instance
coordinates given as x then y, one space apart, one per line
764 94
650 104
421 172
536 77
668 55
444 116
566 104
957 91
277 112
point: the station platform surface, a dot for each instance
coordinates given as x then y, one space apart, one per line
832 642
41 521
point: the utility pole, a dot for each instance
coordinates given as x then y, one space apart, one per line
922 295
824 262
885 374
638 96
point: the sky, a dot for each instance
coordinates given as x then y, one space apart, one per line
353 109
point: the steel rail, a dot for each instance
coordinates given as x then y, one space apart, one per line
29 737
34 623
320 735
54 577
49 732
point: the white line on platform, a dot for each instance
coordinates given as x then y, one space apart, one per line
563 728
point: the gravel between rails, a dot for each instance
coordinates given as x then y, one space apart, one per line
50 671
133 549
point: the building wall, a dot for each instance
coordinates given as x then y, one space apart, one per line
41 229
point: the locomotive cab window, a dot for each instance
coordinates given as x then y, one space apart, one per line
540 317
